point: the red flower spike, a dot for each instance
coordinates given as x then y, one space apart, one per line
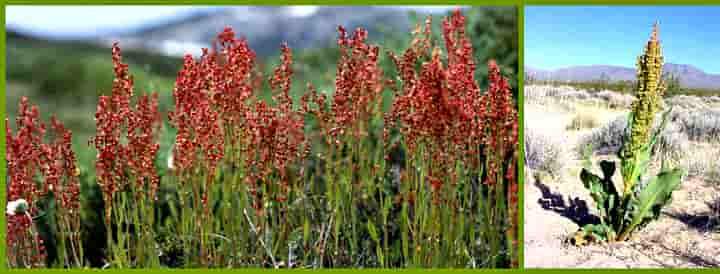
358 82
29 157
117 162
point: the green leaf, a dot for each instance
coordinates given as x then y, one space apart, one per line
306 231
387 205
652 198
372 231
604 193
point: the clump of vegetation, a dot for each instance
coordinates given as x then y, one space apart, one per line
543 153
672 142
642 197
700 166
606 139
43 190
614 99
625 87
700 125
583 121
263 179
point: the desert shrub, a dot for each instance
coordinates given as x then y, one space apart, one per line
532 93
672 143
685 101
704 164
712 100
543 153
699 125
605 140
576 95
614 99
568 93
583 121
563 95
594 101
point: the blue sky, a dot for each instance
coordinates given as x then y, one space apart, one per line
61 21
557 37
79 21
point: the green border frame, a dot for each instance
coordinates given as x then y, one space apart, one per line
520 4
3 166
521 132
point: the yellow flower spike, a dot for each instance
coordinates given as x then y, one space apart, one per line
649 91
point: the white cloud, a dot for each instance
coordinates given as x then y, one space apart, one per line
302 11
61 20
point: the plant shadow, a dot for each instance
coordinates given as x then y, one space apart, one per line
575 209
708 221
694 259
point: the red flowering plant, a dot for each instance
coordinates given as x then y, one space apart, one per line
126 141
276 133
37 171
351 155
273 181
227 133
461 147
199 145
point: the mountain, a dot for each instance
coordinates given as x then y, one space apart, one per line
690 76
264 27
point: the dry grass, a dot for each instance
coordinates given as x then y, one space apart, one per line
583 121
704 164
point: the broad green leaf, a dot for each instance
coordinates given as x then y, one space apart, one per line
595 185
651 199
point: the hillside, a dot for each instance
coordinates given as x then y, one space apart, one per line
690 76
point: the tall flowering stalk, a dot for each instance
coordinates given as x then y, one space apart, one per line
36 171
276 132
276 149
649 92
461 146
501 152
62 176
126 141
623 212
352 160
227 134
24 246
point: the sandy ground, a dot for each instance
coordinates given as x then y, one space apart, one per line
555 207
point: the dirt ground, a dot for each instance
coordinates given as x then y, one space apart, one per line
556 207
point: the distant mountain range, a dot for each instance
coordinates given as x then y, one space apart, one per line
690 76
264 27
